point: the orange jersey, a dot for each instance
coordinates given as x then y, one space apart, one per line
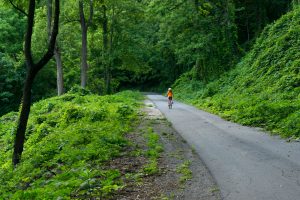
170 94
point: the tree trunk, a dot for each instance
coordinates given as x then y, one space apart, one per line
84 65
111 59
57 56
105 51
84 28
49 17
105 30
247 29
197 4
59 70
32 70
24 114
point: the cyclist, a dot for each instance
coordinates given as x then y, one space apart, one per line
170 97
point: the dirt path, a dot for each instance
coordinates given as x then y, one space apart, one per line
246 162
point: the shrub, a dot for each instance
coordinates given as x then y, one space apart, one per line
68 142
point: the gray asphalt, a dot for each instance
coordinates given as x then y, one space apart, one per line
246 163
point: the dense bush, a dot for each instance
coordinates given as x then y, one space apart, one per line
264 88
68 141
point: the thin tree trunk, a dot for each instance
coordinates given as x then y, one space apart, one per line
59 70
84 65
32 70
49 17
111 59
105 30
197 4
84 28
57 56
247 28
105 50
22 122
197 69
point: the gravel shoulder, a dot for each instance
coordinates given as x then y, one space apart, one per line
177 151
181 173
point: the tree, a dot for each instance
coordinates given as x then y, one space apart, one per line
295 3
194 34
105 48
253 16
84 29
57 55
32 70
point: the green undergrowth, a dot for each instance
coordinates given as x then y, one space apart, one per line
69 140
184 170
153 152
263 89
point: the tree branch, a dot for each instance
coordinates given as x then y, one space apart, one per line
30 17
17 8
81 13
91 13
48 55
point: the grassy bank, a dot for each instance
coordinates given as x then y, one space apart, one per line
69 140
263 89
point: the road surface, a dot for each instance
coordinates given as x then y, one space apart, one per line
246 163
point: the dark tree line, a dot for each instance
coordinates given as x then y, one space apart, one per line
252 16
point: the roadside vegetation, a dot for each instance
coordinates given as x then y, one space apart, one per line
153 152
70 140
263 89
184 170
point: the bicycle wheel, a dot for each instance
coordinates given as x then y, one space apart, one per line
170 104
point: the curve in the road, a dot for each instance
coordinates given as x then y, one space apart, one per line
247 163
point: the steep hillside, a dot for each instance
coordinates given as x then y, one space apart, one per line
69 140
263 89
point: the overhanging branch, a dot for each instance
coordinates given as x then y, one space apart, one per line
17 8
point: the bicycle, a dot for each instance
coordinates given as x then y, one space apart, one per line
170 103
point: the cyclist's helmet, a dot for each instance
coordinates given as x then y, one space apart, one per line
169 89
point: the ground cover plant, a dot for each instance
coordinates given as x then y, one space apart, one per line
263 89
68 141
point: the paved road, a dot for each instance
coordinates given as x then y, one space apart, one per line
246 163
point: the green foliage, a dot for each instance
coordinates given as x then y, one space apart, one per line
79 90
184 170
12 28
153 152
69 140
202 36
263 89
11 67
253 16
149 43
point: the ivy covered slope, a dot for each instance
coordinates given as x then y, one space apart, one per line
69 140
263 89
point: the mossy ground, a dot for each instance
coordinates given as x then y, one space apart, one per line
69 141
263 89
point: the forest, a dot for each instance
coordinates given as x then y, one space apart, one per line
238 59
108 46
